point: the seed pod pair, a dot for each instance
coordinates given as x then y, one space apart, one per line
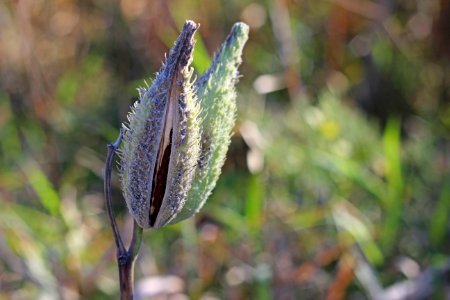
178 133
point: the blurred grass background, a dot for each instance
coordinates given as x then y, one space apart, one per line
336 184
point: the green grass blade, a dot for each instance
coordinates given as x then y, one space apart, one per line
44 189
395 185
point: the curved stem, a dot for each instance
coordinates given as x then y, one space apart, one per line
107 189
125 257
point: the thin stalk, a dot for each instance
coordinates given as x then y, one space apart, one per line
126 264
125 257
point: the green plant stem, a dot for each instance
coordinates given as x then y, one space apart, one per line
125 257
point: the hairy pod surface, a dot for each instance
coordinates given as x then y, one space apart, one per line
217 96
178 133
161 146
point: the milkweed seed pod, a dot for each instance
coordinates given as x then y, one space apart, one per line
178 133
217 97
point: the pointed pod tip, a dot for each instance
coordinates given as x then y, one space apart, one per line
240 29
190 25
182 53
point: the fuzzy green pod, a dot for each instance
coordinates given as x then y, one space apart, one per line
217 96
178 133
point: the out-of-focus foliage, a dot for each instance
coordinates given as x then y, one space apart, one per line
336 185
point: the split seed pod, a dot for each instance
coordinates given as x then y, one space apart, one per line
178 133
